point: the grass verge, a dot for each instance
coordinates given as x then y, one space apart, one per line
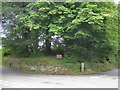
0 57
51 65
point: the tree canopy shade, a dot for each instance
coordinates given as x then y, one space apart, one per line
88 29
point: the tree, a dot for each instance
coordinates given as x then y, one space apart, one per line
84 26
10 13
37 19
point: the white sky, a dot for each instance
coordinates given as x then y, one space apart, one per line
116 1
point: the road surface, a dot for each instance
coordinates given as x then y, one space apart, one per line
16 79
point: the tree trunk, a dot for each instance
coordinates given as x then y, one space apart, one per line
47 40
36 45
48 44
48 47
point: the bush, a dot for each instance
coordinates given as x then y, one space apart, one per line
6 51
72 58
58 50
38 54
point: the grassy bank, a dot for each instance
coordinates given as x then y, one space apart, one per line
42 65
0 56
51 65
0 62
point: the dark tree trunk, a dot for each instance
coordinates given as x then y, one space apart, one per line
47 40
48 49
36 45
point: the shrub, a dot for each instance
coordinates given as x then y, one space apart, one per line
6 51
58 50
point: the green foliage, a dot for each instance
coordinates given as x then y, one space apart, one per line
5 51
89 29
0 56
58 50
72 58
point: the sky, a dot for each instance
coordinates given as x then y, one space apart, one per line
116 1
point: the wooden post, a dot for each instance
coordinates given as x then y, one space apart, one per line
82 67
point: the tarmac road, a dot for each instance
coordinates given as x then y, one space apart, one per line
16 79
